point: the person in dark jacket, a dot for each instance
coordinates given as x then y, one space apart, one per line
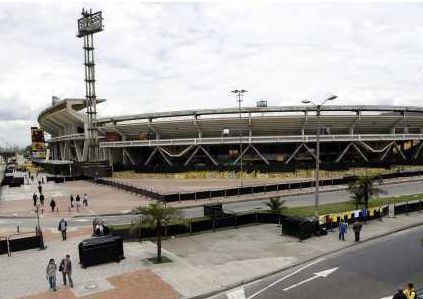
71 200
399 295
63 225
66 269
357 228
34 198
42 199
52 205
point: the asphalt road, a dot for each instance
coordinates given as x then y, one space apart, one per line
291 201
308 199
372 270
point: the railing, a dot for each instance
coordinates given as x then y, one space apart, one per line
67 137
245 190
260 139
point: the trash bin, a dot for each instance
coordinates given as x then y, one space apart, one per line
100 250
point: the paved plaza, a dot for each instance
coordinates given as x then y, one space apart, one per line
202 263
17 201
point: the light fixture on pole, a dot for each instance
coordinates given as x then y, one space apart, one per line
318 107
239 94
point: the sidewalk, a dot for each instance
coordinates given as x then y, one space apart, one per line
202 264
106 200
17 201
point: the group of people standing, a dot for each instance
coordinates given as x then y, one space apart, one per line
77 199
343 227
65 267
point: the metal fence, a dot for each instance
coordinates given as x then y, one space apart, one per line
238 191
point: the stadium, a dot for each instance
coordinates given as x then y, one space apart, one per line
260 138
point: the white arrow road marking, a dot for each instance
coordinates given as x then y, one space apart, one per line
285 277
324 273
236 294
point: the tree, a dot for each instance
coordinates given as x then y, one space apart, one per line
276 204
364 188
357 198
158 214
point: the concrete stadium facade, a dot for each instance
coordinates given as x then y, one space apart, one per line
280 136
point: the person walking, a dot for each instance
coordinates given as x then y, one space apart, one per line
62 228
66 269
51 274
52 204
42 199
40 189
77 199
34 198
85 200
409 291
342 230
357 228
71 200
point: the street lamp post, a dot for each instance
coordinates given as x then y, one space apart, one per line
317 172
239 95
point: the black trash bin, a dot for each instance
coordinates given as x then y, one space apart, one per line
100 250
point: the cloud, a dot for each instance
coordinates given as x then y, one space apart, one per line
171 56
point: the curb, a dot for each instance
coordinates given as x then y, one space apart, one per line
250 280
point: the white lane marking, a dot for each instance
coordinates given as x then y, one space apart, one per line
285 277
10 222
243 286
389 297
236 294
324 274
82 220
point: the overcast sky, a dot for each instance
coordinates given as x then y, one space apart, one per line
170 56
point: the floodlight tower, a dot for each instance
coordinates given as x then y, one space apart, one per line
89 24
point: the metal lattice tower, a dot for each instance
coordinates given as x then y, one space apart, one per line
89 24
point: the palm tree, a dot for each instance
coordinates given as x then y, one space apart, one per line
158 214
275 204
363 188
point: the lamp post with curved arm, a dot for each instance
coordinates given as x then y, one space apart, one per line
318 107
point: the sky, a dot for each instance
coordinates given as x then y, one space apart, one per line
174 56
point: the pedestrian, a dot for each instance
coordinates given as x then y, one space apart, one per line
66 269
42 199
409 291
364 214
51 274
39 182
357 228
85 200
52 204
342 230
34 198
71 200
40 189
77 199
62 228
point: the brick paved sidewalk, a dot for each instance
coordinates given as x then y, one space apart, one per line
138 284
103 200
